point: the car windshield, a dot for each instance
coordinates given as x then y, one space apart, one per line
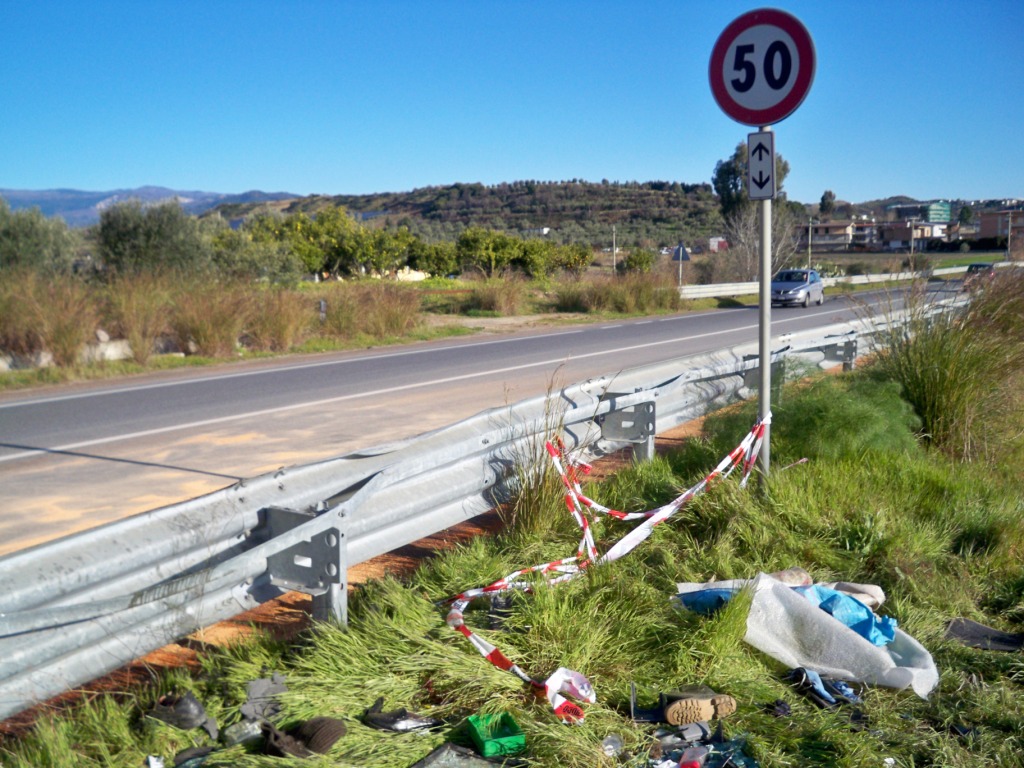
791 277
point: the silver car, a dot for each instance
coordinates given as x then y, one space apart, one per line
797 286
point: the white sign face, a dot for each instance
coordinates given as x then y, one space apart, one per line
761 165
761 67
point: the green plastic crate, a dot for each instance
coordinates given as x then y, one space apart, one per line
496 734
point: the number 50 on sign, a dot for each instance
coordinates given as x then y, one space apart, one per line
762 67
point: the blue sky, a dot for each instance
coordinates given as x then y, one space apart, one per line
313 96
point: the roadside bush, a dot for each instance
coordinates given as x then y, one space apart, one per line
208 318
279 320
136 306
46 314
960 371
503 296
340 318
573 296
29 239
387 309
373 308
637 260
829 418
632 293
916 262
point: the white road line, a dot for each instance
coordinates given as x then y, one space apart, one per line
358 395
318 364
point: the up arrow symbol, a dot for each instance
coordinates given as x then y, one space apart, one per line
760 151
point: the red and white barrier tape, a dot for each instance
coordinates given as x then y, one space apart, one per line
566 682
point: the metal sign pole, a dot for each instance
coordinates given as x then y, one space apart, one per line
765 326
761 69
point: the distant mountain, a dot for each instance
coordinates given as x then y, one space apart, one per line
80 208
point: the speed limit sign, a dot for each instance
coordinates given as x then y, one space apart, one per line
761 67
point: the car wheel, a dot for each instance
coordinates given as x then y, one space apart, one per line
821 298
807 299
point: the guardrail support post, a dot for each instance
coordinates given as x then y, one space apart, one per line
634 424
849 355
317 566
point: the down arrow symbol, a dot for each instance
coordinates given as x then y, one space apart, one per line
762 180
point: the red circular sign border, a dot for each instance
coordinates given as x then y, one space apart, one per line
805 49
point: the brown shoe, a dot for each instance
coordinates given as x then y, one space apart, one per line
696 709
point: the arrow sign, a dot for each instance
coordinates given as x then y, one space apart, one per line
761 165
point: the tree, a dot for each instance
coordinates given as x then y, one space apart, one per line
742 261
29 239
536 257
574 258
136 239
237 253
730 180
389 251
486 250
827 204
742 228
437 259
638 260
966 215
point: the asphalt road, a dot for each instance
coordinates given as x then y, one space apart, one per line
78 456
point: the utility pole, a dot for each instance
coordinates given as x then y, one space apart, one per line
809 222
613 249
1009 235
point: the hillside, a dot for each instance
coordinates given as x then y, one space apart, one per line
652 213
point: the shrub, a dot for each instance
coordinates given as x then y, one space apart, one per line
503 295
387 309
279 320
573 296
52 314
958 369
137 305
208 318
340 318
375 308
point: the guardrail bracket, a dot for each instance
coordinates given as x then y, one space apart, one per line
317 566
633 424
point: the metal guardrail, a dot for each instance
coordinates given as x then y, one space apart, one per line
77 608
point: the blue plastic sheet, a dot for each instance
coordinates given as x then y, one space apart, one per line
879 630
